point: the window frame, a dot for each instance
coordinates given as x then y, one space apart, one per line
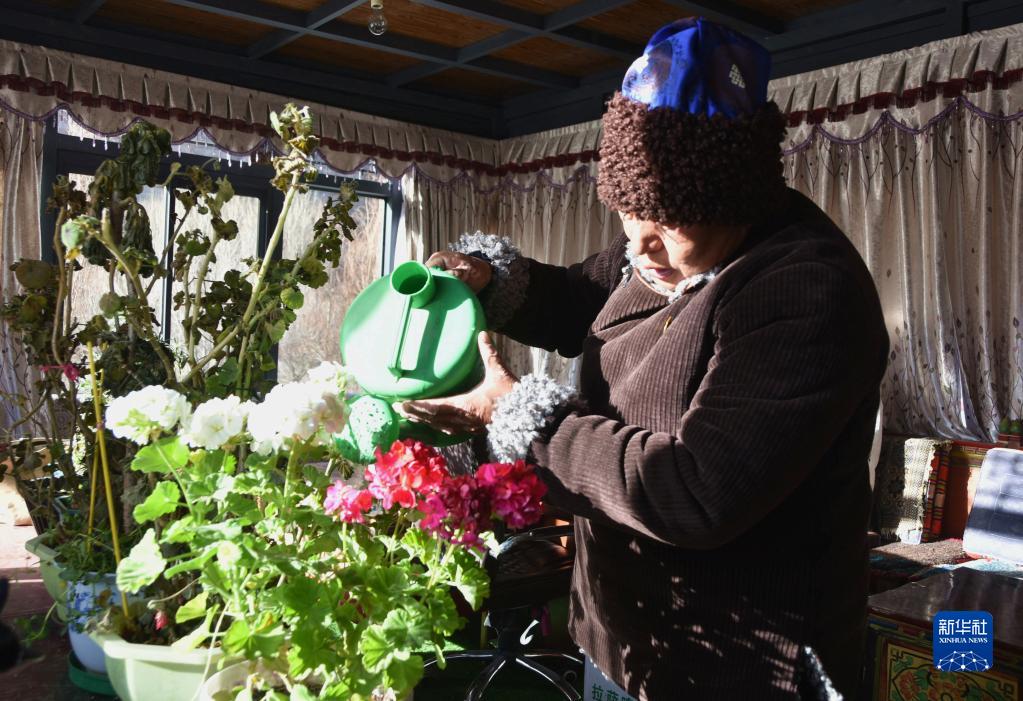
64 154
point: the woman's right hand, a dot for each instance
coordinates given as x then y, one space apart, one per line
474 272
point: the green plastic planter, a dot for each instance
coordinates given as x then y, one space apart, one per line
236 674
93 682
49 570
155 672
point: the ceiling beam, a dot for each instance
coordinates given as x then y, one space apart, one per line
556 25
744 19
327 12
444 56
865 16
523 25
86 9
321 84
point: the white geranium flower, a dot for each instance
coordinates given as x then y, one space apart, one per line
141 414
332 375
296 411
214 423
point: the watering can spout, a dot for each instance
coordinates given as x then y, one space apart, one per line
413 283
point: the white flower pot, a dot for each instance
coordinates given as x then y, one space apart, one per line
85 599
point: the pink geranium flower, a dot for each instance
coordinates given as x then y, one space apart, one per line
347 502
458 511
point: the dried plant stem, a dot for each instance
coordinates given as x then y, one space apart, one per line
58 248
200 279
143 330
167 248
264 267
101 441
92 496
67 306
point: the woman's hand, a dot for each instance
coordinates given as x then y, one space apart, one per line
470 412
473 272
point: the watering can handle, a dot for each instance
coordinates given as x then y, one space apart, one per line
394 366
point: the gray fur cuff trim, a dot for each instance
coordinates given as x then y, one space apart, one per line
521 414
817 682
507 289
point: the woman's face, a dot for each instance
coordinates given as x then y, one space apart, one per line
661 251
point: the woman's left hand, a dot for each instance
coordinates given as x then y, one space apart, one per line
469 412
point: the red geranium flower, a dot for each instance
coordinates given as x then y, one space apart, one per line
408 471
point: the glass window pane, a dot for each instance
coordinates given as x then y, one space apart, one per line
93 281
313 337
229 256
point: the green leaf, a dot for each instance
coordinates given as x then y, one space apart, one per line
227 374
225 486
196 608
198 636
163 500
403 674
265 641
163 456
181 531
236 637
292 298
192 564
376 651
142 566
276 330
299 594
407 628
444 616
469 577
300 693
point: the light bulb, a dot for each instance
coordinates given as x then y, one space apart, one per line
377 22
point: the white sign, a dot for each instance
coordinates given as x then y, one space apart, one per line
597 687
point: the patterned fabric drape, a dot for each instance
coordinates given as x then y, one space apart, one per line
553 223
931 193
21 155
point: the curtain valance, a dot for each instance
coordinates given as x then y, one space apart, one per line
106 97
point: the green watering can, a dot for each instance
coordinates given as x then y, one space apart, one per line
409 335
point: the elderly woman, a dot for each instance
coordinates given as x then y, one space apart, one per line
732 342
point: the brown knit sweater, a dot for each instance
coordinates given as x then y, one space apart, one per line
719 469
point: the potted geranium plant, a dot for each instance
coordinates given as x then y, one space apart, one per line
238 319
330 585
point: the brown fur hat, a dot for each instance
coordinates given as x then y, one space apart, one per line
679 168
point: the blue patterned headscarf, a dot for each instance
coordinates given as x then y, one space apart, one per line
700 67
691 138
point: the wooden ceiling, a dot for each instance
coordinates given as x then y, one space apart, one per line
491 67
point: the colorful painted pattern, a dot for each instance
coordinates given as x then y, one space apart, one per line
900 668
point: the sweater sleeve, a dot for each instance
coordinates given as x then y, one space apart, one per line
796 352
546 306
